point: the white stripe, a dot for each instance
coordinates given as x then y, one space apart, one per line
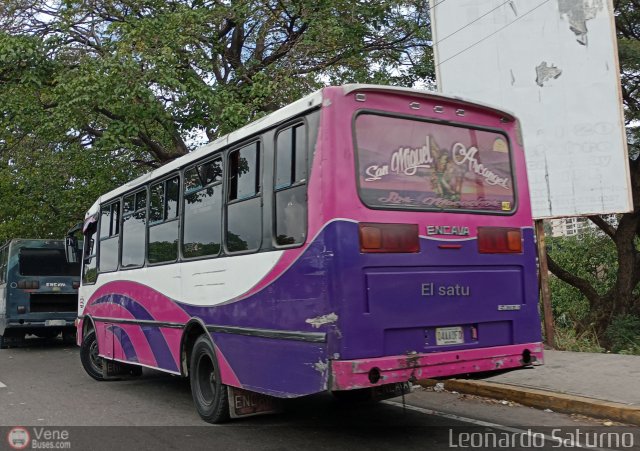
2 385
475 422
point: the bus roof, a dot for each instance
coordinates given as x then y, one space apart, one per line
298 107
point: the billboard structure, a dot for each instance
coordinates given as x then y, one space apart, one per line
554 64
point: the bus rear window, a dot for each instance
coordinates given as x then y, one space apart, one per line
412 164
46 262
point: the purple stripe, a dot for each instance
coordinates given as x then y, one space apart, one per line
130 305
125 342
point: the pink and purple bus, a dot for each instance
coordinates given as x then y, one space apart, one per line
359 238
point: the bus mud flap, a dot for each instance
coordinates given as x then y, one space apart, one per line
113 370
245 403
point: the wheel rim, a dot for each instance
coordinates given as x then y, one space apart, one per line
206 379
94 357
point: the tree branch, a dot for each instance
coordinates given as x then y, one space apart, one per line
603 225
581 284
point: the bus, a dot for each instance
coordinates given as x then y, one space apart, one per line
38 291
359 239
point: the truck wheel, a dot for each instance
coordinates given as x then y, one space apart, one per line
209 393
91 361
69 337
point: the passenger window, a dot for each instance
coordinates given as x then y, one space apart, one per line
163 224
133 229
202 234
89 266
244 208
244 170
109 230
290 186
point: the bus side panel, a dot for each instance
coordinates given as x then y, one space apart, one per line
283 368
132 345
105 339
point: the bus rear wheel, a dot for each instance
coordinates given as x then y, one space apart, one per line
209 393
91 360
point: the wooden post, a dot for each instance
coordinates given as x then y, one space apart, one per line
545 291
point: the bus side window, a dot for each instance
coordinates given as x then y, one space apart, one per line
163 221
109 231
89 266
202 234
244 204
134 220
290 186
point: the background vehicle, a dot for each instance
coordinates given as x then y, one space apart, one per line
361 237
38 290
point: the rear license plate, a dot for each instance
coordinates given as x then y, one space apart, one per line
244 403
55 322
449 336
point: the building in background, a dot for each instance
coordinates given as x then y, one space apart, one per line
576 225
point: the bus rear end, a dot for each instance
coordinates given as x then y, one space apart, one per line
42 291
434 266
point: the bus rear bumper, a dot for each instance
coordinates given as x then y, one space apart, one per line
363 373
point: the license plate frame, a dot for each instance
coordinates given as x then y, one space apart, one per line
245 403
446 336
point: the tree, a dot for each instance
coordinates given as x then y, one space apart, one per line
118 85
621 297
156 75
44 191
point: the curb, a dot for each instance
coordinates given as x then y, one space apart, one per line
543 399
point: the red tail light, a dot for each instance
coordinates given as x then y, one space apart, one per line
499 240
378 238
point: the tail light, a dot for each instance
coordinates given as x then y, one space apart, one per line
499 240
29 284
379 238
75 285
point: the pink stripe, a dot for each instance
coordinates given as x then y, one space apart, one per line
140 344
161 307
138 339
226 372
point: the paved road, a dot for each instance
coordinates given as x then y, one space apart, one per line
42 385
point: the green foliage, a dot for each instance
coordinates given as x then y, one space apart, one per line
624 334
567 339
43 191
91 93
591 256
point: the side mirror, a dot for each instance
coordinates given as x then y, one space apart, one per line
71 249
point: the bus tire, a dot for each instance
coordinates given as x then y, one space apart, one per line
91 361
209 393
